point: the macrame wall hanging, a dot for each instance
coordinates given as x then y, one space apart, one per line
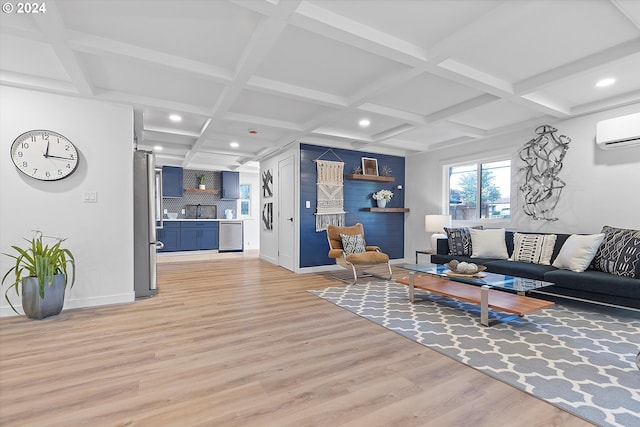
542 187
330 201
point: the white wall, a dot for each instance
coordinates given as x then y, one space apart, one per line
99 234
252 223
602 186
269 238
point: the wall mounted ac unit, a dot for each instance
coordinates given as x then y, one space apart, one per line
619 132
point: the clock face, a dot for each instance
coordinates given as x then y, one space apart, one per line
44 155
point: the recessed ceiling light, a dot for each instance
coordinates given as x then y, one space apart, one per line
605 82
175 118
157 148
364 123
234 144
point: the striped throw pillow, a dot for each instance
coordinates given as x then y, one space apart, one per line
533 248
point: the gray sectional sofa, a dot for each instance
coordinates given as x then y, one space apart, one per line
591 285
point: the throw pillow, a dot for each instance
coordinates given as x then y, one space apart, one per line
578 251
619 253
352 244
533 248
488 244
459 240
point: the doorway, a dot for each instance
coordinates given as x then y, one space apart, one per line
286 213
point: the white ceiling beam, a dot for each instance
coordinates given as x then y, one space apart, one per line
265 7
605 104
171 131
52 27
341 134
102 46
634 19
256 120
578 67
259 46
274 87
461 107
463 129
475 78
24 81
493 20
316 19
155 103
393 132
543 104
383 110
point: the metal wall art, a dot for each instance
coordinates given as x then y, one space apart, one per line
267 216
267 183
543 157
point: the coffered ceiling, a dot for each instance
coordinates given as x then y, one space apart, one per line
427 74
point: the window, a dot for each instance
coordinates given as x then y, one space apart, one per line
480 190
245 200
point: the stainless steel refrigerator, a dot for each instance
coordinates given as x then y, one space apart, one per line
147 205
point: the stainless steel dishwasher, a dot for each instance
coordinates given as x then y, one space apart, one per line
231 237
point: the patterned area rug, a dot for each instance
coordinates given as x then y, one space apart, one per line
579 357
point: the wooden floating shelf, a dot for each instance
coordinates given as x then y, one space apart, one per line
360 177
197 190
386 209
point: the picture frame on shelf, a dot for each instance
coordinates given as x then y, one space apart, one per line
369 166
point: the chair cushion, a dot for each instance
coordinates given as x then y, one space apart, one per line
369 257
352 244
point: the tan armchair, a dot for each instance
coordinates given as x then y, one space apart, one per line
370 257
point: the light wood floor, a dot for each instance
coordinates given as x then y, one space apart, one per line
238 342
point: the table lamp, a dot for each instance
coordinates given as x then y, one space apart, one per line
435 224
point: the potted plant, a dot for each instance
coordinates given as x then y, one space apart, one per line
201 185
41 269
382 197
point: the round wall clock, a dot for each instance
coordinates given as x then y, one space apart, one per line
44 155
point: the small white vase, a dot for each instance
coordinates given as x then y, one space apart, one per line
202 187
382 203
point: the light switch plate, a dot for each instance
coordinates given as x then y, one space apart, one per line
307 204
90 197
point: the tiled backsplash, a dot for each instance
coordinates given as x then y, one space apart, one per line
190 180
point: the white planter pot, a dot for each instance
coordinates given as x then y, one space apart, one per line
382 203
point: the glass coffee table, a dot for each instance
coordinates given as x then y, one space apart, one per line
489 290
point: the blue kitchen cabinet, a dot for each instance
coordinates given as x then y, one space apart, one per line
189 239
172 181
209 236
198 235
230 185
169 235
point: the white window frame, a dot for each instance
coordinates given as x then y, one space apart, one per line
239 205
446 189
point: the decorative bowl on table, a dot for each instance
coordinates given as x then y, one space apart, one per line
465 269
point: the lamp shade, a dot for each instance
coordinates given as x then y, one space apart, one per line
436 223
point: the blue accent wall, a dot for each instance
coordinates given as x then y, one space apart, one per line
382 229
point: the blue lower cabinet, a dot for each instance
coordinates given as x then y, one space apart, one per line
209 237
198 235
169 235
189 239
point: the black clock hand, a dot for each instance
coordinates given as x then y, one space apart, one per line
58 157
46 153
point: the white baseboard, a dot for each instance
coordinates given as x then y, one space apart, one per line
6 311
